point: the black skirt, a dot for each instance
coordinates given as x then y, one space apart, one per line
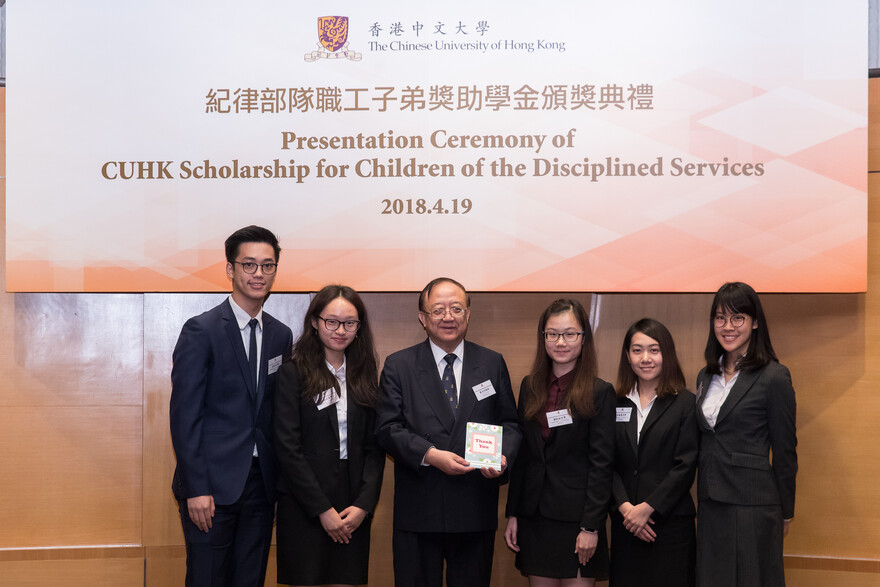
308 556
546 549
669 561
739 545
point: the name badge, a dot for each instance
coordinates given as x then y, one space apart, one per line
624 414
327 398
484 390
274 364
558 418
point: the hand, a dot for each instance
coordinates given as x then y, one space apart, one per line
646 534
585 546
201 510
636 520
785 526
334 526
510 534
448 462
353 517
490 473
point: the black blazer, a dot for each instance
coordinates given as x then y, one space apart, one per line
659 468
568 478
413 415
757 416
307 447
216 414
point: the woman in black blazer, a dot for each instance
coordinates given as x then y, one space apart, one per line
653 541
329 464
560 483
745 411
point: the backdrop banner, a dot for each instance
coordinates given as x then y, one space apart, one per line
514 146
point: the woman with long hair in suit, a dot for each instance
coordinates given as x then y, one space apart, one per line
560 483
329 464
653 540
745 411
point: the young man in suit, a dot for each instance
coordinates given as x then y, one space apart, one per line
444 510
222 380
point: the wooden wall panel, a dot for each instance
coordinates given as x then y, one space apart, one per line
100 572
164 314
71 476
75 349
84 415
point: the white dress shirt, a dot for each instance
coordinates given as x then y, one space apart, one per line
243 318
440 359
341 409
716 395
641 413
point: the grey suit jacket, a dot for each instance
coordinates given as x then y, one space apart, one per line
758 416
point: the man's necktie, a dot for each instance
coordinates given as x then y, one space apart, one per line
449 382
252 352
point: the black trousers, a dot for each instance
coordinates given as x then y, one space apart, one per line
235 551
419 558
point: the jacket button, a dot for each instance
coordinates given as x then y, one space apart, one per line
636 472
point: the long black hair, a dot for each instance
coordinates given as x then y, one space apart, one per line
362 373
579 395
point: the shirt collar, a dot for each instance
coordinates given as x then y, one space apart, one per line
242 317
338 373
633 395
564 380
440 354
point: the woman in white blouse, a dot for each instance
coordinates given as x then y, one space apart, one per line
329 464
745 410
655 459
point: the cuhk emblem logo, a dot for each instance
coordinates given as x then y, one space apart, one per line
333 40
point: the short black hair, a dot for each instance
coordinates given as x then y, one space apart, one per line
251 234
671 376
435 282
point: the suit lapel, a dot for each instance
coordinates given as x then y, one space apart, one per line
334 421
632 428
432 388
744 382
703 381
234 334
470 377
264 360
660 406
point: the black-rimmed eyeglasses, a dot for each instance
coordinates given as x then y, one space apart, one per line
566 336
332 324
251 268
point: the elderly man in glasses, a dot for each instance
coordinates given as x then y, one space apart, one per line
444 510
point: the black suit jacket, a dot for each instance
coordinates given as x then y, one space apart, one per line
659 467
568 478
757 416
413 415
216 414
307 446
